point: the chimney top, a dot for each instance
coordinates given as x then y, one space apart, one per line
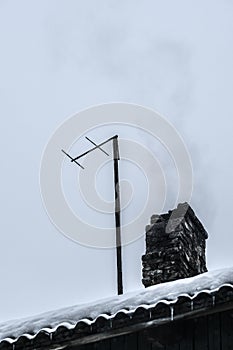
175 246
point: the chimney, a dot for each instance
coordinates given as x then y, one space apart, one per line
175 246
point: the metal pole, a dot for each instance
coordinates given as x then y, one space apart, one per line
116 158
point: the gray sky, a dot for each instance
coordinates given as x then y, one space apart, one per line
58 57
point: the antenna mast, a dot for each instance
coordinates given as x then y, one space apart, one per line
116 158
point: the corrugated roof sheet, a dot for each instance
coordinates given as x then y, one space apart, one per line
161 303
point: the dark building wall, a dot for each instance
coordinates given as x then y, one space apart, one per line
212 332
175 247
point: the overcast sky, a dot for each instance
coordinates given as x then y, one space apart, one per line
59 57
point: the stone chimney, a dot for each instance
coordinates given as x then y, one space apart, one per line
175 247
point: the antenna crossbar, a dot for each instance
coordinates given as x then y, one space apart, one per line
92 149
101 149
72 159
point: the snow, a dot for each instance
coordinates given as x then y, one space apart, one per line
108 308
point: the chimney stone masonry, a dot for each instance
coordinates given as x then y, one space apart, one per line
175 246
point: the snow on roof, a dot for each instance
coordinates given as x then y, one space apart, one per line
128 303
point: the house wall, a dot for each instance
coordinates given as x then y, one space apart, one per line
212 332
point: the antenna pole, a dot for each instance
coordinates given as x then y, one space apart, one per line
116 158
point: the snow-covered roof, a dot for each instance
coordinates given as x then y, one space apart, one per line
166 293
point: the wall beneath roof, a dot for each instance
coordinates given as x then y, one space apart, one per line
211 332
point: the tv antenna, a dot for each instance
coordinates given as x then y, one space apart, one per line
116 158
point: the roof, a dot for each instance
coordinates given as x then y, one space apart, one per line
121 314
